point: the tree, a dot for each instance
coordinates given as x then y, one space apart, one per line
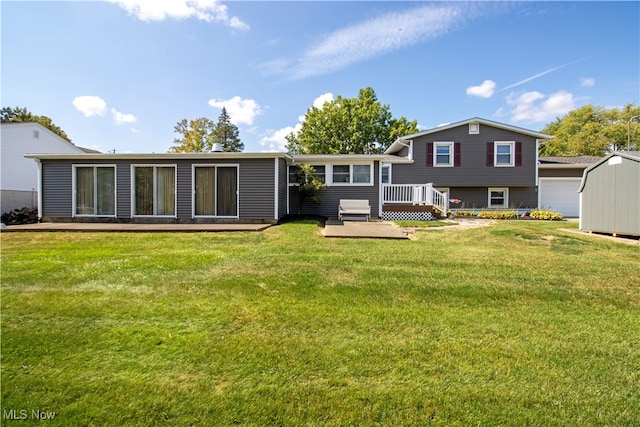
194 136
308 185
17 114
226 134
592 131
360 125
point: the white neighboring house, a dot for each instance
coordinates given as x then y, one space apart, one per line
19 176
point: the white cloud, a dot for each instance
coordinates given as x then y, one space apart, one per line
319 101
276 140
241 111
587 82
485 90
90 105
159 10
120 118
534 107
378 36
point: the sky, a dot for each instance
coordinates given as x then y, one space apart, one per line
120 74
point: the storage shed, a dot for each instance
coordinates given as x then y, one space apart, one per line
610 195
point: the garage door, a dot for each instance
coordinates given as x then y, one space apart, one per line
560 195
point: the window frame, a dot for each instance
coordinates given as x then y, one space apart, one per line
451 162
193 188
351 182
74 186
505 191
512 154
155 167
384 166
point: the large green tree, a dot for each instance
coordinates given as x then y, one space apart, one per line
360 125
226 134
193 137
592 131
18 114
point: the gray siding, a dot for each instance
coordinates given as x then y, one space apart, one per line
611 198
331 196
256 186
282 188
56 189
473 170
561 173
478 197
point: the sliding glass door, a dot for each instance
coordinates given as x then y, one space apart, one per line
215 191
154 190
95 190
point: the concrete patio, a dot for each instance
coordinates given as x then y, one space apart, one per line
363 229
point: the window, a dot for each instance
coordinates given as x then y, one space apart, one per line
215 190
292 175
352 174
95 190
319 172
443 155
503 154
385 174
498 197
154 190
361 174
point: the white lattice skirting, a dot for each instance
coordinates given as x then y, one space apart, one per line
408 216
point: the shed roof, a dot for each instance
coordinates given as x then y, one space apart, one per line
630 155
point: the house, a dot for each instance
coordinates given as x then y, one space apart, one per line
610 195
559 181
485 164
163 188
20 175
482 163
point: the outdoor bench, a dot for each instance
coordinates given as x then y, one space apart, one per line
354 207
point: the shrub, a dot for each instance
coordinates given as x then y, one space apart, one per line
546 215
465 213
498 214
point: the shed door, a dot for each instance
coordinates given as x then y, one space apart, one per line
560 195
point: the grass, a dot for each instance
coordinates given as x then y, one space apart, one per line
518 323
425 224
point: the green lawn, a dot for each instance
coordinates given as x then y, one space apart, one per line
518 323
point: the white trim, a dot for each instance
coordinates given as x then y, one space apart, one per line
512 155
276 189
449 144
329 175
39 187
155 204
193 189
474 128
74 189
506 197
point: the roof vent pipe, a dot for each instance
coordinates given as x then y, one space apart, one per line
217 147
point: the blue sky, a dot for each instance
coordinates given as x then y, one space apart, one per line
120 74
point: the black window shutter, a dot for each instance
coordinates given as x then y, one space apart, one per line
518 161
429 154
456 154
489 153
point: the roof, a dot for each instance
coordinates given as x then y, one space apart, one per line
567 162
158 156
630 155
336 158
398 143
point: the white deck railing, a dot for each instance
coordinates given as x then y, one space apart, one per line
415 194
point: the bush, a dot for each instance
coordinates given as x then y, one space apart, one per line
465 213
546 215
498 214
